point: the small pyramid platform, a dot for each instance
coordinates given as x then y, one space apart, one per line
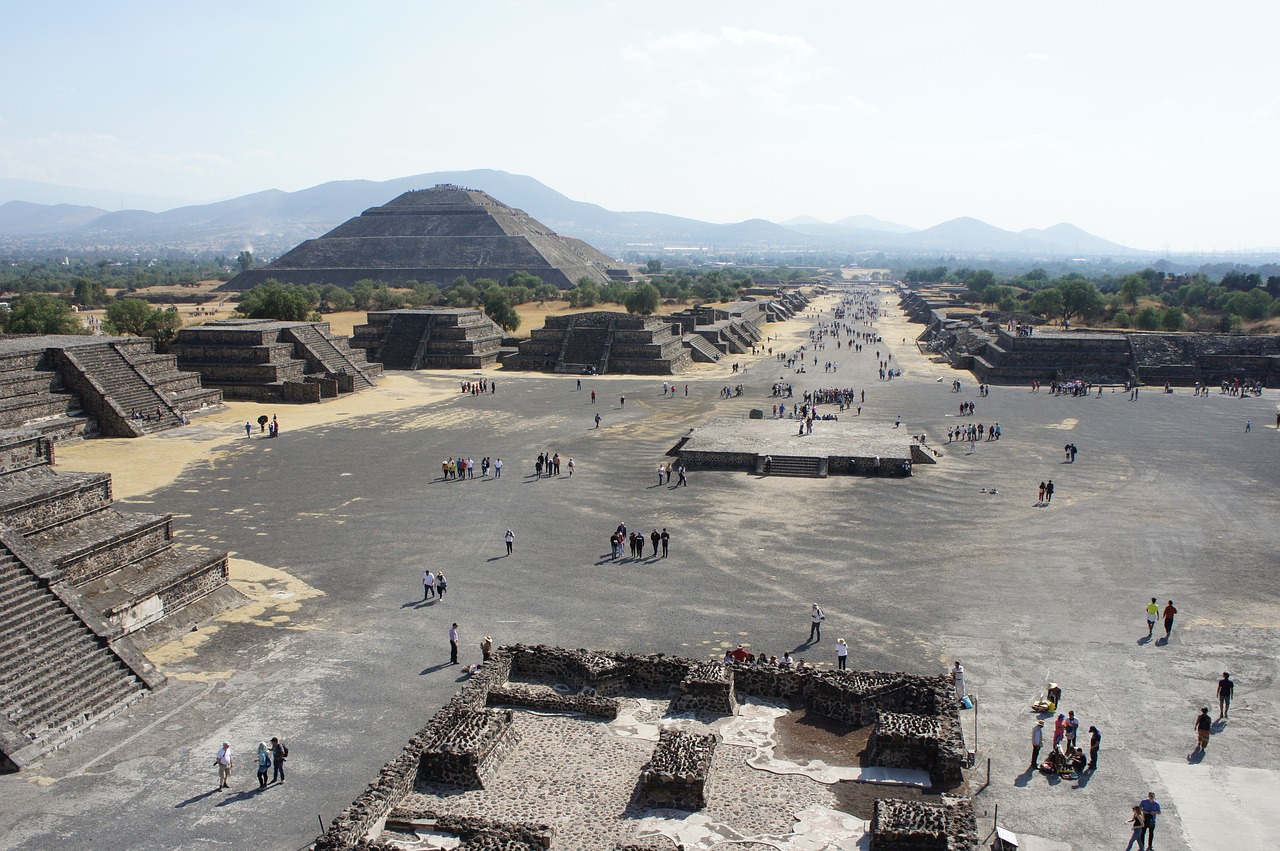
430 338
603 342
434 236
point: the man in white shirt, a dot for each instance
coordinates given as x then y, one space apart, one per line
224 762
428 585
816 617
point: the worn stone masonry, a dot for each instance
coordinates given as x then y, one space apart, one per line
468 748
857 698
898 825
604 341
901 740
676 774
708 687
430 338
546 700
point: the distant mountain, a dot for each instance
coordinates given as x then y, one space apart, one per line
23 217
272 222
38 192
802 221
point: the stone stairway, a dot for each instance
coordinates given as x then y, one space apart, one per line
32 398
794 465
403 344
700 349
57 676
319 348
583 348
120 384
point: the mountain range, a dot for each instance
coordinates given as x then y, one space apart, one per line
273 221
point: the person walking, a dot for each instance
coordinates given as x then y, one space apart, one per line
264 764
453 644
248 430
1040 501
682 480
1037 741
224 761
428 585
1225 687
842 654
279 753
497 468
1048 492
666 540
1136 821
597 421
442 585
816 617
1095 742
1169 612
1153 610
656 539
1204 726
571 468
1150 809
593 397
510 539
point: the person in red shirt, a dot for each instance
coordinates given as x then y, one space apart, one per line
740 654
1169 612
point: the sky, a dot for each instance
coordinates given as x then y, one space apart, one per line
1152 124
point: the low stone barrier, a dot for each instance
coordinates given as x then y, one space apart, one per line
468 747
676 774
708 687
519 694
898 825
477 834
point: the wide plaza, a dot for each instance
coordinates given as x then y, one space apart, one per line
333 523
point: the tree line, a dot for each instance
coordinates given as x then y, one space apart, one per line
1148 299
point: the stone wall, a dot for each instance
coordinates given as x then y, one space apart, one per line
676 774
518 694
708 687
898 825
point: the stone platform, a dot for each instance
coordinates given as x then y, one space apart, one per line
835 447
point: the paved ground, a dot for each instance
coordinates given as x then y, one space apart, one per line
1169 497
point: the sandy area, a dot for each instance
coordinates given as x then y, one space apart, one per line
141 465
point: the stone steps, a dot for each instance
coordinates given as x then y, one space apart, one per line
700 349
103 543
56 674
38 499
123 384
794 465
404 337
325 352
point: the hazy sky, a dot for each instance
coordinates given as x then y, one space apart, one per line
1148 123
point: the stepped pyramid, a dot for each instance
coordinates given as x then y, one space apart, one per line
433 236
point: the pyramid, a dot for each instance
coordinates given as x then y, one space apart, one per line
433 236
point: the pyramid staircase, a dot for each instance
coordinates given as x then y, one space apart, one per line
320 350
803 466
113 383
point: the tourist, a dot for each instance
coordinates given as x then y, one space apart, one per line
486 648
1153 610
279 753
510 539
428 585
1169 612
442 585
593 397
666 540
1073 727
682 480
842 653
1095 742
264 764
224 762
453 644
1037 741
597 421
622 401
662 469
656 539
816 617
1225 687
1137 822
497 468
248 429
785 661
1150 809
1048 492
570 468
957 678
1203 726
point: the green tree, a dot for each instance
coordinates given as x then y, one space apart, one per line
39 313
585 294
274 300
244 262
1133 287
1250 304
334 299
466 295
1173 319
523 279
498 307
1147 319
90 293
643 299
128 316
164 326
423 295
653 267
1080 297
1046 302
544 292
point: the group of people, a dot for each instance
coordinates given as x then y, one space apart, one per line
973 432
465 468
551 464
434 585
268 757
635 541
1153 613
666 471
476 388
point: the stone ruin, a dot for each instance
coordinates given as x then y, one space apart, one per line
77 579
430 338
604 342
708 688
67 387
920 826
982 344
676 775
266 360
434 236
464 742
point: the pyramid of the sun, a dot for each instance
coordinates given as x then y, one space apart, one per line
433 236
